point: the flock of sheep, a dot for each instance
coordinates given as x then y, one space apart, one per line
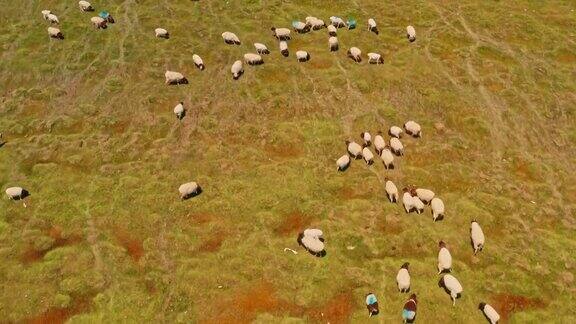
413 199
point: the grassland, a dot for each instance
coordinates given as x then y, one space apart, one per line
90 132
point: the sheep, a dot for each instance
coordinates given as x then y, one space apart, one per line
302 56
85 6
379 143
175 78
253 59
300 27
437 209
354 149
343 162
407 201
332 31
314 245
391 191
284 48
354 53
367 155
315 23
409 310
54 32
309 19
333 41
418 205
314 233
489 312
261 48
179 110
375 58
198 62
395 131
387 158
52 18
372 304
45 14
337 22
367 138
476 236
281 33
424 194
452 286
99 22
161 33
444 258
230 38
189 190
372 26
403 278
411 33
237 69
413 128
17 193
396 146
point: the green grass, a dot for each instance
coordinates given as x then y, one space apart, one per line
90 132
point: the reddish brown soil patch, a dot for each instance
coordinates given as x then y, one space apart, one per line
283 151
213 244
293 224
34 255
58 315
337 310
566 57
133 246
349 193
201 218
390 227
506 304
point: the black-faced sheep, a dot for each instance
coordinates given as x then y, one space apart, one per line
343 162
476 236
411 33
355 54
403 278
489 312
261 48
161 33
230 38
391 191
237 69
354 149
198 61
253 59
175 78
372 26
333 41
444 258
452 286
375 58
54 32
189 190
302 56
281 33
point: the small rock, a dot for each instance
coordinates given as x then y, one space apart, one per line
350 247
439 126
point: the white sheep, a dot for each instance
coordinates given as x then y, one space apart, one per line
281 33
403 278
175 78
54 32
312 241
161 33
333 41
198 62
337 22
391 191
45 14
354 149
437 206
309 19
452 286
368 156
17 193
476 236
489 312
302 56
372 26
189 190
375 58
313 233
261 48
253 59
411 33
379 143
332 31
343 162
301 27
425 195
99 22
418 205
85 6
230 38
179 110
444 258
284 48
367 138
413 128
395 131
396 146
407 201
315 23
237 69
355 54
387 158
53 19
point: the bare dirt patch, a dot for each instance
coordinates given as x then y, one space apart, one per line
59 315
293 223
283 151
337 310
133 246
213 244
506 304
33 255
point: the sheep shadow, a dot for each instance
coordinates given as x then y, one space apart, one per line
193 194
442 285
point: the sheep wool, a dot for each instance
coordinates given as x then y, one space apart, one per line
372 26
98 22
425 195
312 244
411 33
477 236
284 48
368 156
198 61
413 128
332 31
301 27
45 14
316 24
313 233
367 138
16 193
418 205
281 33
403 278
161 33
379 143
444 258
175 78
395 131
302 56
408 202
237 69
261 48
333 41
343 162
375 58
490 313
253 59
337 22
189 190
85 6
387 158
354 149
355 54
54 32
452 285
52 18
437 206
230 38
396 146
179 110
391 191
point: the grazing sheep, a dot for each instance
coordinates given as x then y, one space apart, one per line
333 41
179 110
372 26
175 78
189 190
45 14
301 27
85 6
476 236
409 310
284 48
418 205
396 146
391 191
452 286
367 138
367 155
52 18
54 32
337 22
437 209
332 31
489 312
302 56
261 48
444 258
407 201
379 143
354 149
411 33
413 128
99 22
237 69
253 59
315 23
198 62
343 162
310 19
395 131
17 193
314 233
372 304
354 53
161 33
375 58
425 195
314 245
281 33
387 158
403 278
230 38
